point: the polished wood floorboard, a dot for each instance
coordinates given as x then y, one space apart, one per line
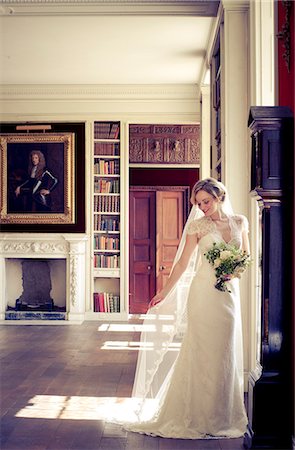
52 379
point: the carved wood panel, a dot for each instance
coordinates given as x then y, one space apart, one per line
164 144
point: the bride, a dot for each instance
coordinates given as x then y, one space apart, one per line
189 375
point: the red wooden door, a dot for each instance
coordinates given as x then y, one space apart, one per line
169 230
141 250
156 223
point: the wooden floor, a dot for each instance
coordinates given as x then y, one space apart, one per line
55 377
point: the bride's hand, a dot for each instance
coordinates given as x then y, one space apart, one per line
156 299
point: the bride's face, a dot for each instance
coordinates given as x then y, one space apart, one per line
207 203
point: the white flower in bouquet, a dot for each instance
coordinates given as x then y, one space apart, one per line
217 262
228 262
225 254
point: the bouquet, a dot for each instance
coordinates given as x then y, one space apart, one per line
228 262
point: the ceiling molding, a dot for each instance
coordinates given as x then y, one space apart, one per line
203 8
99 92
236 5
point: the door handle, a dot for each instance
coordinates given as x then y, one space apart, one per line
149 267
162 267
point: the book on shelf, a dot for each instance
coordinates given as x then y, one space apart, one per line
107 167
106 243
103 186
101 130
106 261
103 223
106 204
114 132
106 302
106 149
106 130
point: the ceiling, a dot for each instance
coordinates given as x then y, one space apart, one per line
66 45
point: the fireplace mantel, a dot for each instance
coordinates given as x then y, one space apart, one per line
71 247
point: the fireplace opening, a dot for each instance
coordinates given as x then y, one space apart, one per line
36 284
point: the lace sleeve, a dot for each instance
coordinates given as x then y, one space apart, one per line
245 224
200 227
194 228
242 222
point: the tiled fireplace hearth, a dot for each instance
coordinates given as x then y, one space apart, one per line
65 250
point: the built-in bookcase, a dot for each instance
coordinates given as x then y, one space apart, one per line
216 112
106 223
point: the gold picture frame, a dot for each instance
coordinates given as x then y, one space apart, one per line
37 178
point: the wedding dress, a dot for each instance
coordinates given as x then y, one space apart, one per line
199 394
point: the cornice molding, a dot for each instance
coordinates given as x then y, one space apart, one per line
235 5
105 7
99 92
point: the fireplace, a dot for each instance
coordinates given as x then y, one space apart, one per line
35 284
43 277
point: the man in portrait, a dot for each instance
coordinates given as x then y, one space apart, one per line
31 182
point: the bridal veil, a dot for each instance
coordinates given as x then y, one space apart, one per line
162 331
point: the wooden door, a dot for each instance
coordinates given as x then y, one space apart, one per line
142 239
156 223
169 226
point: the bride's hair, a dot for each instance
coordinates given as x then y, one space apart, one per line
211 186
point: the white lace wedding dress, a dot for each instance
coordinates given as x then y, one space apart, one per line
202 397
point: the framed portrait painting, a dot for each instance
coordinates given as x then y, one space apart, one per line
37 178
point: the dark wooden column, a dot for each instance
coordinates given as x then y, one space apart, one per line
270 385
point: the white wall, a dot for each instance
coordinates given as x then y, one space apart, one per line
130 104
233 26
249 81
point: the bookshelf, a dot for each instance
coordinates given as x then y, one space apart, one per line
106 220
216 112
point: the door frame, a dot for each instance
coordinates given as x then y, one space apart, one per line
186 209
184 189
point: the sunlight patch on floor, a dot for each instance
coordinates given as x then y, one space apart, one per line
81 408
132 345
137 327
125 327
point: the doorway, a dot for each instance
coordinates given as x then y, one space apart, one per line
157 217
